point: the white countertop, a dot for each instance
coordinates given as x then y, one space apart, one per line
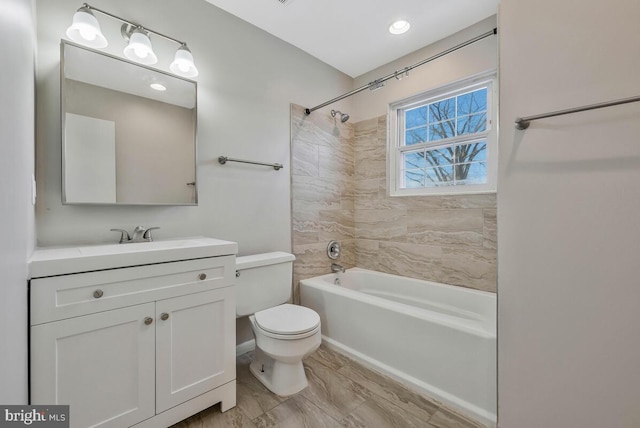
49 261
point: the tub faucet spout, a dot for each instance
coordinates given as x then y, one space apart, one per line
335 268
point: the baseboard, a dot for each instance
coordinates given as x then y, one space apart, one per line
245 347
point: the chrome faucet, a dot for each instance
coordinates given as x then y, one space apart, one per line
335 268
140 234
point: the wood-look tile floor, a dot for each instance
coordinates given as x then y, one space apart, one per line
341 393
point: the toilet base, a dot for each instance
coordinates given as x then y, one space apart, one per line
280 378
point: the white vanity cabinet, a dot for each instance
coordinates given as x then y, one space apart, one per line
102 365
192 356
138 345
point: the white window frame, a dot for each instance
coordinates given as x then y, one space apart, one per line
395 140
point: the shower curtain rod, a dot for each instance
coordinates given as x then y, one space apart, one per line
378 82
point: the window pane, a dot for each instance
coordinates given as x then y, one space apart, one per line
413 160
472 124
471 173
471 152
414 178
441 176
442 130
439 157
415 117
442 110
472 102
415 136
444 140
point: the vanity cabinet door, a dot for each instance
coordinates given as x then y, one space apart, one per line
195 345
102 365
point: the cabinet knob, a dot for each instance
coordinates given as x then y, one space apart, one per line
202 276
148 320
164 316
98 294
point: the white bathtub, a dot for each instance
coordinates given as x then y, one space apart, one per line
436 338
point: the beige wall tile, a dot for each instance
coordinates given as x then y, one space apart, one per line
336 161
304 159
348 256
369 187
366 130
474 268
446 227
367 254
322 193
305 232
347 194
487 200
421 203
411 260
389 225
490 229
336 224
311 260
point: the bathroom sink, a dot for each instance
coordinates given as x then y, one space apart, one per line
61 260
140 246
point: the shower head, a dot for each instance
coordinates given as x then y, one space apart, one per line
343 116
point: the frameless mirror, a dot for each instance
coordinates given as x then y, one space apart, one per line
128 132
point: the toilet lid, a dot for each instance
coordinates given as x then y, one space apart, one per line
287 319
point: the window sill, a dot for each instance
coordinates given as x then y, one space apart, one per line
444 192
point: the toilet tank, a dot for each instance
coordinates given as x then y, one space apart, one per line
264 281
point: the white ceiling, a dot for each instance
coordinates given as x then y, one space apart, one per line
352 35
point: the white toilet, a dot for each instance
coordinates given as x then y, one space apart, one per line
284 333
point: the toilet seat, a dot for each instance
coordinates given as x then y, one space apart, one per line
288 321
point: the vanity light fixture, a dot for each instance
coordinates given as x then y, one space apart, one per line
183 63
399 27
85 30
139 48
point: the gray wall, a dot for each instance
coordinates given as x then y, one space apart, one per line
247 81
16 212
568 234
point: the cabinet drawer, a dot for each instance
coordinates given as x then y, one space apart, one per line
65 296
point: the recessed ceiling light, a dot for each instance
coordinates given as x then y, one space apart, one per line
399 27
158 87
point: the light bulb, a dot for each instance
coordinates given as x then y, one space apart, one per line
399 27
139 48
140 52
88 34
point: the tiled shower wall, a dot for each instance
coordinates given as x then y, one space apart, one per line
322 182
339 192
447 239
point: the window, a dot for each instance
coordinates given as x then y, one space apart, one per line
444 141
